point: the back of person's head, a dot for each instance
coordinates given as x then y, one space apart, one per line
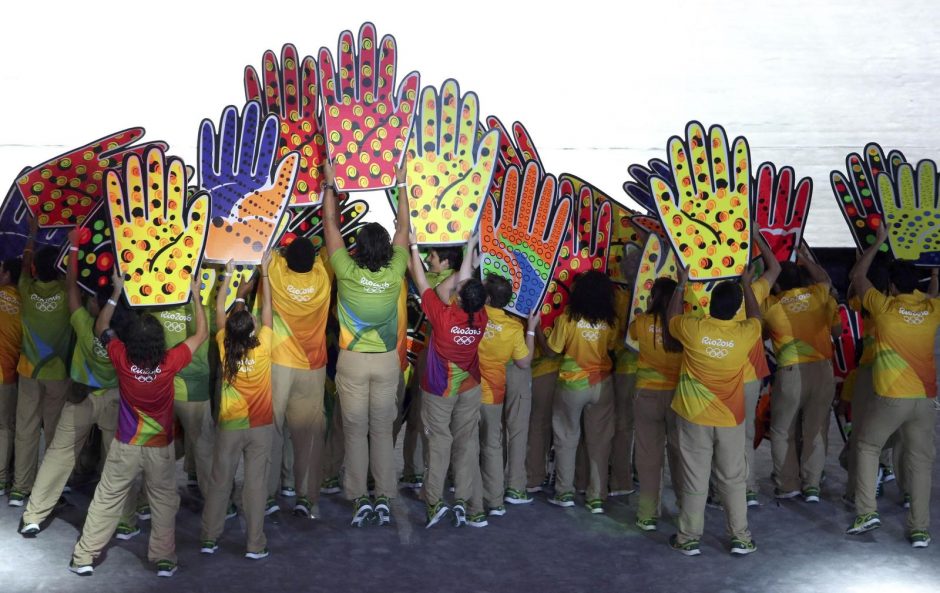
904 276
145 342
122 320
726 300
472 297
13 267
498 289
592 298
44 263
300 255
452 255
239 339
373 247
791 276
660 296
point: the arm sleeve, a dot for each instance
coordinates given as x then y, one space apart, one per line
399 263
761 290
432 305
178 357
341 263
677 327
634 335
874 301
519 349
559 336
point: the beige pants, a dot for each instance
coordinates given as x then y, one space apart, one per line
452 428
196 420
540 429
596 403
655 434
751 395
492 468
516 411
254 445
334 451
915 419
621 456
121 468
892 454
7 431
802 389
367 384
38 405
702 449
75 422
297 396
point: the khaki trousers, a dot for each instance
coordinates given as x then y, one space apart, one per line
452 428
701 450
334 451
297 398
655 434
915 419
75 423
367 384
751 395
802 389
254 445
862 397
621 457
596 403
38 405
492 468
516 411
7 431
540 429
122 466
196 420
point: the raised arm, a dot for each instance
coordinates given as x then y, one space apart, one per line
403 220
859 274
194 341
104 316
532 323
751 308
448 287
676 303
28 251
771 265
816 272
417 268
267 313
71 278
331 233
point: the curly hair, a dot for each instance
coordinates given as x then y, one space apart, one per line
472 298
239 340
660 296
592 299
146 342
373 247
498 289
300 255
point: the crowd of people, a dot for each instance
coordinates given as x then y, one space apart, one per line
308 383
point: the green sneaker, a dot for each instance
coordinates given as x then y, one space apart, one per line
125 532
306 509
208 546
920 538
646 524
689 548
497 511
383 512
811 494
752 499
231 512
414 482
166 568
743 547
460 513
143 512
595 506
260 555
330 486
362 511
17 498
563 499
271 506
477 520
514 496
864 523
436 513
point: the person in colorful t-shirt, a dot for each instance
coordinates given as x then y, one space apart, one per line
450 392
584 335
143 441
905 382
44 382
802 320
369 368
709 404
246 415
11 337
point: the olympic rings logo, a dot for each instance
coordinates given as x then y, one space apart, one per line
798 307
46 305
464 340
489 335
99 350
145 378
714 352
591 335
9 308
174 326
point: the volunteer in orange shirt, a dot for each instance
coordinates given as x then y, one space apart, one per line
10 339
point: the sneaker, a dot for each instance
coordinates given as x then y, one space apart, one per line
288 492
383 513
305 508
646 524
887 474
620 492
907 501
17 498
514 496
864 523
497 511
743 547
330 486
713 502
919 538
460 513
689 548
85 570
208 546
436 513
66 489
29 530
264 553
532 490
785 495
752 499
564 499
811 494
414 482
595 506
231 512
477 520
143 512
362 511
271 506
166 568
125 532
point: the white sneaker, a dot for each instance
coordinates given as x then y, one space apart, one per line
85 570
257 555
621 492
29 530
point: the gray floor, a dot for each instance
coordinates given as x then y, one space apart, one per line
533 548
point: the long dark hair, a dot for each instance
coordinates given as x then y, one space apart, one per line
592 299
373 247
472 298
146 342
660 296
240 338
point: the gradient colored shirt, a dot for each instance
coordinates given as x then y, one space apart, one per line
503 342
453 364
800 321
246 400
11 333
301 304
656 368
905 328
868 337
196 375
715 353
585 350
367 307
91 364
47 333
178 323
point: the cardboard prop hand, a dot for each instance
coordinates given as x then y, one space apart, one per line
657 260
308 222
780 209
639 188
911 209
14 227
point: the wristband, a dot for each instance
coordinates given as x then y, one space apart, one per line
328 186
414 246
73 248
401 185
27 250
112 302
530 333
240 300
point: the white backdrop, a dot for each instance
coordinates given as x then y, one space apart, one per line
598 84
